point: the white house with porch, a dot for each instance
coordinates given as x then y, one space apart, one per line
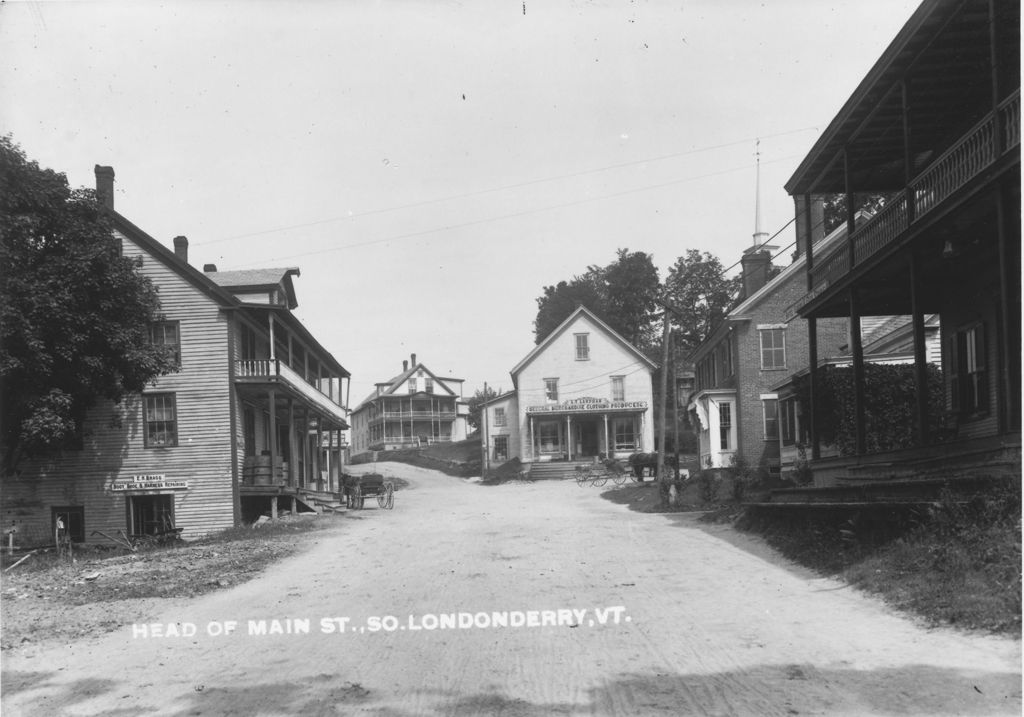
582 393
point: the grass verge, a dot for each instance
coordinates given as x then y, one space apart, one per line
954 563
47 598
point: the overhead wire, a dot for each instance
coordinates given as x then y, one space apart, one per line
513 215
518 185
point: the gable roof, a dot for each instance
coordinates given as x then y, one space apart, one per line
396 381
561 329
213 290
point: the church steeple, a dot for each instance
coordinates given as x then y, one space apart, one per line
760 235
757 260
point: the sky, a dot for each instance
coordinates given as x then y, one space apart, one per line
430 166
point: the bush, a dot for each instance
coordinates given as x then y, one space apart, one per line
889 406
708 483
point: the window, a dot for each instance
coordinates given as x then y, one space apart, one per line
624 432
770 407
501 448
161 420
548 433
412 385
71 520
969 379
551 390
428 385
582 347
724 425
150 514
787 416
165 333
618 388
773 348
499 416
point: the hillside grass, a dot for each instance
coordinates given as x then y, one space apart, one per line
460 458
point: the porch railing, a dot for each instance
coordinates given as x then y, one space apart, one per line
275 370
970 156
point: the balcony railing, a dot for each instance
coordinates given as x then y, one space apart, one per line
414 415
969 157
278 372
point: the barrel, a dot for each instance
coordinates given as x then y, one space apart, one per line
256 470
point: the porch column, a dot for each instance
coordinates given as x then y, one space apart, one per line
920 355
858 372
851 211
273 349
319 452
812 358
307 459
607 441
272 420
809 249
908 152
293 467
568 437
533 441
1009 395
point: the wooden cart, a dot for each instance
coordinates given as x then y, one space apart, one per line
357 488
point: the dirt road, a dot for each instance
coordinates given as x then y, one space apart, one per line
523 599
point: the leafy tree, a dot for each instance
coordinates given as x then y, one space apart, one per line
622 294
559 301
632 288
700 294
476 403
74 314
835 207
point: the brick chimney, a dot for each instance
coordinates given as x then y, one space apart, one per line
817 228
405 366
209 268
181 248
413 360
105 185
756 262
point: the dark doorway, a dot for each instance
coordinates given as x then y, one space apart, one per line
587 444
150 514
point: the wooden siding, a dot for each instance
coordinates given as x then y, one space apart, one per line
114 446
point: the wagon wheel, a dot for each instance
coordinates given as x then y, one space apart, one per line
619 477
600 479
387 498
581 475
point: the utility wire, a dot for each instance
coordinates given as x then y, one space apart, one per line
506 187
513 215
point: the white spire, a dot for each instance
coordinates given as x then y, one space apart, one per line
760 235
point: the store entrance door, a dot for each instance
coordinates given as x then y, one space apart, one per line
587 444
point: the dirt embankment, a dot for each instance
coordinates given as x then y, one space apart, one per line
44 600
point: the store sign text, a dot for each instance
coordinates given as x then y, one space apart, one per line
147 482
587 404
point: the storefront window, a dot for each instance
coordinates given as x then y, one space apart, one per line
548 435
624 430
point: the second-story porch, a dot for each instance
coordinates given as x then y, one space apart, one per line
932 135
291 394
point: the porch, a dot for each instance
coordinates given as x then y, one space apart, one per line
258 500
